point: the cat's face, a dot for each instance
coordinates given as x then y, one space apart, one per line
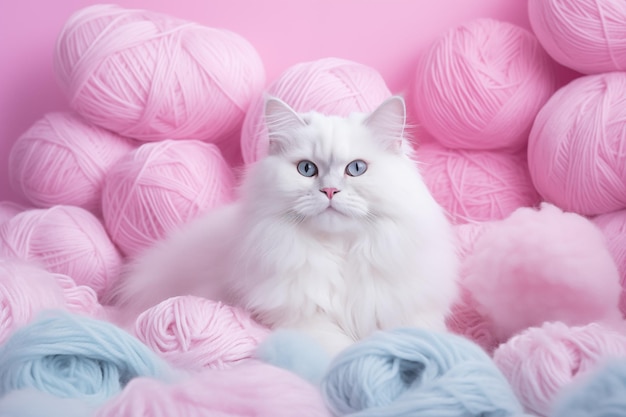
330 173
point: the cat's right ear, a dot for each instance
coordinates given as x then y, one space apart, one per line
281 121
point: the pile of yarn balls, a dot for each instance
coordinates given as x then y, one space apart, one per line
529 164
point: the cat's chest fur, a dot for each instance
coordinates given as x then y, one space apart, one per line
359 281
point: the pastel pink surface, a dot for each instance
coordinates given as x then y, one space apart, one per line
387 35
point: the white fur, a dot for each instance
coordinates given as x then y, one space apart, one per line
378 255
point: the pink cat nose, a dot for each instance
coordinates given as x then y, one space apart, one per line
329 191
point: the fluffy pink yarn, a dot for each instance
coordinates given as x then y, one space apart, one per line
8 209
161 185
541 361
613 225
586 35
62 159
481 85
195 333
64 239
476 185
330 86
542 265
151 77
251 389
576 150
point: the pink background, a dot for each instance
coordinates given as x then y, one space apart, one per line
389 35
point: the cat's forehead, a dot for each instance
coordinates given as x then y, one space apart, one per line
336 136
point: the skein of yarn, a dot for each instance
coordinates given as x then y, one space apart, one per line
481 85
576 147
62 159
159 186
542 265
613 226
588 36
151 77
25 289
331 86
196 333
601 393
30 402
476 186
75 357
541 361
64 239
466 319
250 389
415 372
80 299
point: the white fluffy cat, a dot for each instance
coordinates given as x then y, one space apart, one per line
334 234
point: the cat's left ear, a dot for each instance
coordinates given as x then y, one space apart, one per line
388 122
281 120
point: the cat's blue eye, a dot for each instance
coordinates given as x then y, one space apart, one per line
307 168
356 168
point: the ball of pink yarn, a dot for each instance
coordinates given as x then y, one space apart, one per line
151 77
251 389
161 185
80 299
8 209
613 226
465 319
481 85
62 159
542 265
588 36
25 290
466 236
476 185
541 361
576 147
330 85
195 333
64 239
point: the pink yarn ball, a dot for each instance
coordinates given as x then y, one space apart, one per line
62 159
80 299
541 361
195 333
481 85
251 389
542 265
152 77
161 185
466 236
576 150
475 186
330 85
8 209
25 289
63 239
465 319
588 36
613 226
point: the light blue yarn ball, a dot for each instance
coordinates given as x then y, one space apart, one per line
32 403
72 356
601 393
417 373
296 352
